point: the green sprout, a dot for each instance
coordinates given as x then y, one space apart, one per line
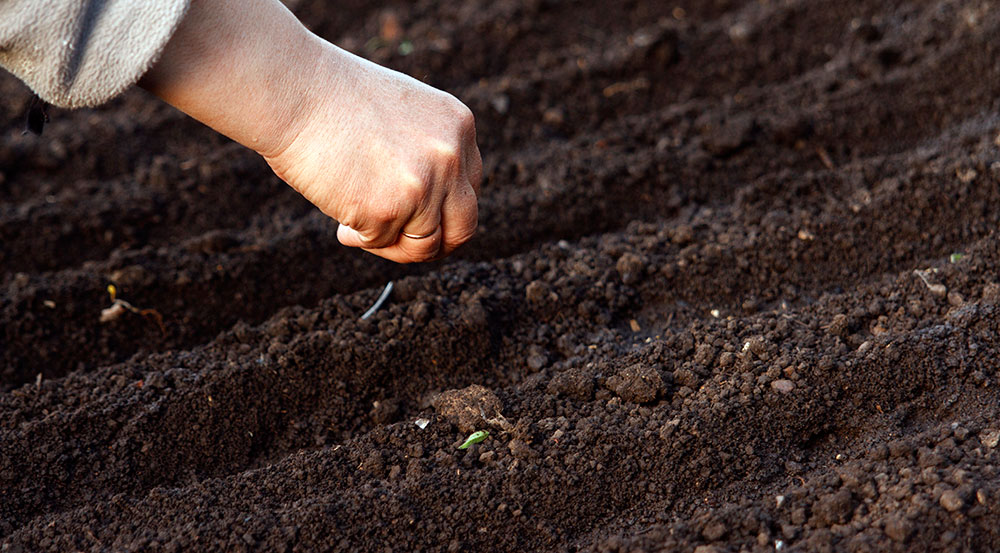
474 438
956 257
119 307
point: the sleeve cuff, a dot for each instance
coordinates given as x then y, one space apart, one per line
85 52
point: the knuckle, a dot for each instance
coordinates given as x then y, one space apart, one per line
476 175
460 114
352 214
349 220
447 154
382 214
412 187
372 219
466 119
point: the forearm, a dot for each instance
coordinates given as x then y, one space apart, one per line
243 67
390 158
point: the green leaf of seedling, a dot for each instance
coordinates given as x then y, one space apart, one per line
474 438
956 257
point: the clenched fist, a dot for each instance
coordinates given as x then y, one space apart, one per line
393 160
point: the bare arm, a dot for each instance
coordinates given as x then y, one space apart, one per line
376 150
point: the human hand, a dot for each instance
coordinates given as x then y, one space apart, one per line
380 152
392 159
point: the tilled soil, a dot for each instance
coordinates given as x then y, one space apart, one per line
735 289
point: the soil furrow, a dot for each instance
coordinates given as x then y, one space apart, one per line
628 188
732 443
734 290
166 204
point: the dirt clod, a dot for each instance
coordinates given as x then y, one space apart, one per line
637 384
469 408
834 508
898 528
573 383
839 326
520 449
728 136
990 438
538 292
631 268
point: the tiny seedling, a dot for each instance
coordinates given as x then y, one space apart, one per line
119 306
956 257
474 438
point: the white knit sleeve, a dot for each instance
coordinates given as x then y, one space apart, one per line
76 53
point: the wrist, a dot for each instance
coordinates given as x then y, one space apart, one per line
320 83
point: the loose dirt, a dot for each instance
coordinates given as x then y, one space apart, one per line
713 304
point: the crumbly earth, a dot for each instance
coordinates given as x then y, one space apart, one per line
735 289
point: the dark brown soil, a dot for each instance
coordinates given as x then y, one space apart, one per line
713 305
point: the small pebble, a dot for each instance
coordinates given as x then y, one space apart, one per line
783 385
951 501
